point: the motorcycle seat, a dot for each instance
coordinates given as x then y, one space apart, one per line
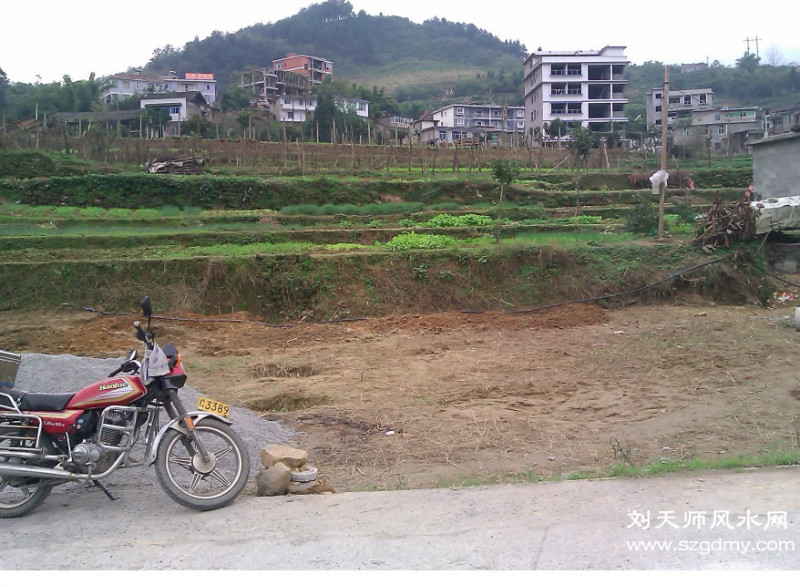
40 402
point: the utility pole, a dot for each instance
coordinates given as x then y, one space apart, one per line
756 40
664 123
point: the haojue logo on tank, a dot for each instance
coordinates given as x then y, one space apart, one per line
113 389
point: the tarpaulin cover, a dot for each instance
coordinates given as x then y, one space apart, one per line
777 214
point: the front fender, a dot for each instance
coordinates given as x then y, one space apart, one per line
177 424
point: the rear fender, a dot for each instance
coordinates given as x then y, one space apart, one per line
177 424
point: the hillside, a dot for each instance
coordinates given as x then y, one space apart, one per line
439 61
436 57
407 67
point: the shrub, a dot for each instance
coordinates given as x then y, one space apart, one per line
642 219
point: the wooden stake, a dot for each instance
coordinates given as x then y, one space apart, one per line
664 123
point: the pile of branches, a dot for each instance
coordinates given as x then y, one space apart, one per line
726 224
185 165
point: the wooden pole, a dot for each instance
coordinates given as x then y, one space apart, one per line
664 123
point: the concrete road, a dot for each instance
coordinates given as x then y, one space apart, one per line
715 520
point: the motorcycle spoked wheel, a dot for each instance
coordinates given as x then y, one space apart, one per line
19 496
198 485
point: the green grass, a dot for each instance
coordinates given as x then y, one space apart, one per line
773 457
770 458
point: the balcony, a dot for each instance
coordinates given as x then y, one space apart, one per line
565 69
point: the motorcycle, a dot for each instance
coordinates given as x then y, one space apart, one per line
51 439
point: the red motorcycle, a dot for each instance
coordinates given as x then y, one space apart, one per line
51 439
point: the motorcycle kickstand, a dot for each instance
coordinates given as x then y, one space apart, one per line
106 491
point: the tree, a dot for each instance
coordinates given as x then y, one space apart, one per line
243 118
3 86
505 173
583 140
556 128
156 119
324 116
748 62
235 98
774 56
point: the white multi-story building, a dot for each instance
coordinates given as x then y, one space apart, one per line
587 87
121 86
301 107
679 102
294 108
193 82
489 122
181 106
355 106
124 85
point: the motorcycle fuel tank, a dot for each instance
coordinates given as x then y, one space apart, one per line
120 390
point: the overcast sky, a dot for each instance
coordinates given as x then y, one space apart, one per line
46 39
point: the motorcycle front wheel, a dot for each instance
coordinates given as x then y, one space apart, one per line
19 496
195 483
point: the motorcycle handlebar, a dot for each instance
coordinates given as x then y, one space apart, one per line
126 367
140 333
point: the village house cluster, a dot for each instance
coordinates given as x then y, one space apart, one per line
576 87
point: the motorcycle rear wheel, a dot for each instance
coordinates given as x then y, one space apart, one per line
19 496
198 485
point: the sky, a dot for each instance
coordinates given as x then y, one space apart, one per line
45 40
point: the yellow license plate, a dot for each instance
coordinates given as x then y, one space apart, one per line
212 405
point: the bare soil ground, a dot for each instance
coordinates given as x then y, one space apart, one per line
432 400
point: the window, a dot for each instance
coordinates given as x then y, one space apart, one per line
459 122
687 132
721 129
702 98
687 100
443 135
460 111
658 96
174 109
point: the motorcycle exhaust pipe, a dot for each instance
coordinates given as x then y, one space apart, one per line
13 470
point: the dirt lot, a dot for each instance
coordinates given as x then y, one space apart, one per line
431 400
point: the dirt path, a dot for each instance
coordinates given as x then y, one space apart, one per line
431 400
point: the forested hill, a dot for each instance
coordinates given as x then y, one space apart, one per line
389 51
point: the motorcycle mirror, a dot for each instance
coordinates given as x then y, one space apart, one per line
147 307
